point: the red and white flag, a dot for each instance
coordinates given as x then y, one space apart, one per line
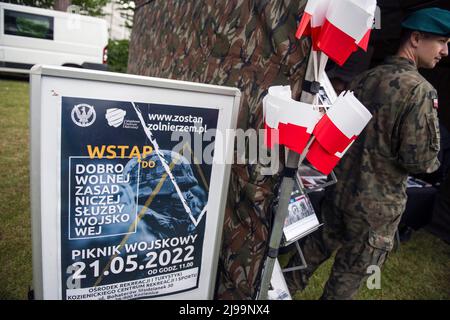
347 25
312 20
338 27
336 131
271 114
297 123
294 122
322 160
371 7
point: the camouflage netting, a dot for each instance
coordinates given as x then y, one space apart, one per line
238 43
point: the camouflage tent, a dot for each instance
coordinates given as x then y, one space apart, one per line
241 43
248 44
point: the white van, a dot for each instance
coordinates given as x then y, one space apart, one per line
31 36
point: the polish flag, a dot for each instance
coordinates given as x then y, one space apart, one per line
297 123
271 114
323 161
330 137
347 25
342 124
294 122
336 131
312 20
371 7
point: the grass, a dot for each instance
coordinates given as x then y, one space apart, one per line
419 270
15 224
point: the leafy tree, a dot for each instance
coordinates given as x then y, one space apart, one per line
118 55
88 7
91 7
127 11
46 4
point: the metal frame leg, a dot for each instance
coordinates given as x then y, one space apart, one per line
304 265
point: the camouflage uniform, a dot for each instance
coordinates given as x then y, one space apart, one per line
248 44
362 211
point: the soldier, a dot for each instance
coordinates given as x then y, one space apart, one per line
362 211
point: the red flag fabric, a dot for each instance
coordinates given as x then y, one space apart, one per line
271 136
364 43
337 45
294 137
321 159
304 27
312 20
271 122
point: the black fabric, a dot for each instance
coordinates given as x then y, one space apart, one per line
440 223
418 211
419 207
312 87
289 172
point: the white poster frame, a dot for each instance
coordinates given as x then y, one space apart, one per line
48 85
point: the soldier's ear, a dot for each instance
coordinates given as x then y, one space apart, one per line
415 38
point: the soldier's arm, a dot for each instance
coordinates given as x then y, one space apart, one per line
419 132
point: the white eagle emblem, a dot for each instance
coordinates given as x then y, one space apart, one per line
85 115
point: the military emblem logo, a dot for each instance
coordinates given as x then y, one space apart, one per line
83 115
115 117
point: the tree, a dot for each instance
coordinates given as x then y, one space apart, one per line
127 11
46 4
118 55
91 7
62 5
87 7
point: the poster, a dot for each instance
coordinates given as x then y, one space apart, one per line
301 219
132 211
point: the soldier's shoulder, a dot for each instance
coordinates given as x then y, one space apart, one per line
410 80
424 85
389 75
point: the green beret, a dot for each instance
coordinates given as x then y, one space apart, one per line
430 20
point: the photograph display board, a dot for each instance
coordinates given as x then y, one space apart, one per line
123 208
301 219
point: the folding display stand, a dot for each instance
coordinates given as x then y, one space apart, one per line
305 191
304 265
279 289
309 94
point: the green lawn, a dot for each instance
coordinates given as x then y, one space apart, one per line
15 226
419 270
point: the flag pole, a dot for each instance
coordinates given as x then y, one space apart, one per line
286 188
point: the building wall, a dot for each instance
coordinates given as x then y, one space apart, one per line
116 23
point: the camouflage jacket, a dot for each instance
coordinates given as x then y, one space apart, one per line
248 44
401 138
